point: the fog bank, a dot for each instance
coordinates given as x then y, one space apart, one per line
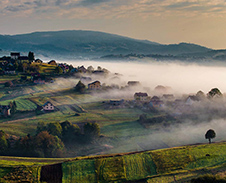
183 78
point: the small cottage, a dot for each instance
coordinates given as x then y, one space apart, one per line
116 102
47 107
141 96
191 100
38 61
95 85
15 55
52 62
82 69
156 102
168 97
4 110
23 59
133 83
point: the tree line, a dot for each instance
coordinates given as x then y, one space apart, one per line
50 140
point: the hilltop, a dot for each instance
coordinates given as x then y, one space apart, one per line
89 44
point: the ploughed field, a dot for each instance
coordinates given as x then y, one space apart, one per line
179 164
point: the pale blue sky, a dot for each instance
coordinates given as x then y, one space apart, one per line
165 21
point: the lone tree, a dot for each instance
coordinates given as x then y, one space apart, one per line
210 134
31 56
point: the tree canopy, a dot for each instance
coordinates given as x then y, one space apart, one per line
210 134
215 92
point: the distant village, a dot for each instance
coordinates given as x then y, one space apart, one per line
31 71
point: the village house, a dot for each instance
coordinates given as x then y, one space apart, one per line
156 102
133 83
141 96
52 62
5 110
74 70
191 100
38 61
168 97
82 69
116 102
23 59
64 67
47 107
15 55
94 85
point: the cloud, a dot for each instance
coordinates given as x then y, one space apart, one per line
92 2
114 8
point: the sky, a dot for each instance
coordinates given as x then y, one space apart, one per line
201 22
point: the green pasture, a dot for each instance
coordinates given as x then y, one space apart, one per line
139 166
79 171
216 152
166 165
8 161
171 159
110 169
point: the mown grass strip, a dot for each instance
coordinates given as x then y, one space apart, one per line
139 166
110 169
79 171
171 159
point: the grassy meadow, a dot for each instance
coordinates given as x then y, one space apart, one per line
179 164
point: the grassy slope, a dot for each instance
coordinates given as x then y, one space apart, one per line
166 165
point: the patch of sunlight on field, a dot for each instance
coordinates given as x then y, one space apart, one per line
110 169
20 128
216 154
168 160
79 171
124 129
139 166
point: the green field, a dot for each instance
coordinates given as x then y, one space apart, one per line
121 132
79 171
166 165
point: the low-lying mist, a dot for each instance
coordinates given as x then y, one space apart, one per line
182 78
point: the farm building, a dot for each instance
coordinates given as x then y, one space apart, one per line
52 62
5 110
38 61
82 69
168 97
95 85
23 59
15 55
47 107
116 102
156 102
191 100
133 83
141 96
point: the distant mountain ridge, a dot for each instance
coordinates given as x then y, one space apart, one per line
75 43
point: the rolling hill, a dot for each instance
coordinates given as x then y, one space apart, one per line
75 43
180 164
